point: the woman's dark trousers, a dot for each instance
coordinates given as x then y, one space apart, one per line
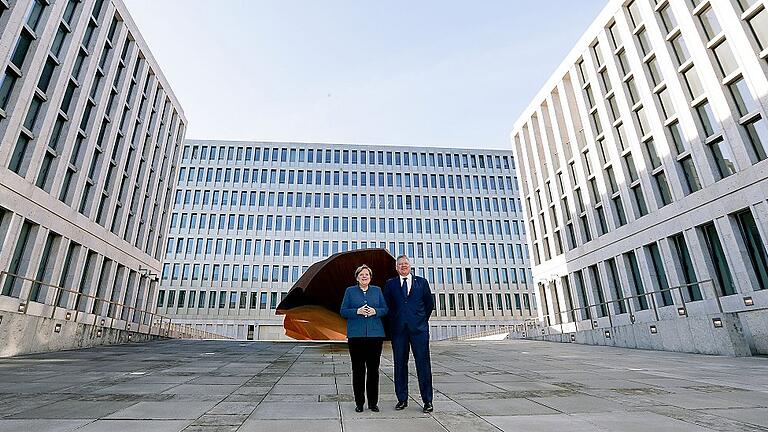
365 354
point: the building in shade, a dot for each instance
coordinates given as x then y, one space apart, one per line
643 166
91 135
250 217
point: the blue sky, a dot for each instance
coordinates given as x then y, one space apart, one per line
421 72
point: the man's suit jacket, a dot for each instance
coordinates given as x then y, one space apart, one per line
411 313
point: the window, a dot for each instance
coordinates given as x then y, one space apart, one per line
709 23
680 49
708 123
662 187
685 264
759 26
723 159
718 259
692 182
660 275
725 60
755 247
636 280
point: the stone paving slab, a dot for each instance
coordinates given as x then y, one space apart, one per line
226 386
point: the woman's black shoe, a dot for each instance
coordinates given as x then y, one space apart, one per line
359 408
374 408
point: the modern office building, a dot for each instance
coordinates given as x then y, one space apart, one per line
91 136
643 166
249 217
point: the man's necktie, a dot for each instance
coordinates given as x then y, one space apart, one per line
405 287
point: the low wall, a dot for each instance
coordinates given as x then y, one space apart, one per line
696 334
28 334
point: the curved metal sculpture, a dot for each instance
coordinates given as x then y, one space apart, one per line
311 307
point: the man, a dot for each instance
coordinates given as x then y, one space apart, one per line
410 305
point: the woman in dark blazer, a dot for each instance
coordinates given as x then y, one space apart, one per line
363 306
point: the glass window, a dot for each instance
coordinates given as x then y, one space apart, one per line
755 247
718 259
723 158
759 26
757 137
707 121
665 195
709 23
680 49
667 18
725 59
692 181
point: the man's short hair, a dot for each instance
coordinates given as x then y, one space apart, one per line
401 257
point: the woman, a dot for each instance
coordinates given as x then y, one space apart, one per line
363 306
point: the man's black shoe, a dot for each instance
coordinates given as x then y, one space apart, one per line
401 405
374 408
428 408
359 408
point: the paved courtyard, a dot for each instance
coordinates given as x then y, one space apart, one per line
293 386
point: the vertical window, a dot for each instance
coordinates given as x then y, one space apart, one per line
660 275
717 259
750 234
636 280
686 267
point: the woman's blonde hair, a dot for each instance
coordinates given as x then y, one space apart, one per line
361 268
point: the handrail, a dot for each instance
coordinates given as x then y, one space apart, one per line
164 324
605 306
508 328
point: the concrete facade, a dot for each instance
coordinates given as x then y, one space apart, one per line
643 168
91 135
250 217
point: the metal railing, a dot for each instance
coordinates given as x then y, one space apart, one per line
626 304
527 326
76 306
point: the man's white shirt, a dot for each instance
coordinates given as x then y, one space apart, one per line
410 281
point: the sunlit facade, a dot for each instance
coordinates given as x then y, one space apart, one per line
643 165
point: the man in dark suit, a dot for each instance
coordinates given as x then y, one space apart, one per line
410 305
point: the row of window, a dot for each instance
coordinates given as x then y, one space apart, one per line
221 248
284 273
718 268
239 153
194 175
445 304
188 198
317 224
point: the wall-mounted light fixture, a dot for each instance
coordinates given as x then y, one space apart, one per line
103 321
129 336
57 328
717 322
748 301
542 332
632 318
22 307
607 334
573 337
67 316
98 333
594 324
654 330
681 311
